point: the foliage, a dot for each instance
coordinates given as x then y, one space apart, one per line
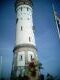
50 77
32 68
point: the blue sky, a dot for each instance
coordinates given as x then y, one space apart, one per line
47 40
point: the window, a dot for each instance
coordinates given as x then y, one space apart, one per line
21 8
16 20
29 39
31 57
28 18
33 27
20 58
21 28
27 8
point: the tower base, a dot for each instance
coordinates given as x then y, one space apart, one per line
30 70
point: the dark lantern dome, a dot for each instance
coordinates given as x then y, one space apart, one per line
21 2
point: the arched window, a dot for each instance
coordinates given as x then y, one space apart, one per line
16 20
21 8
27 8
21 28
28 18
29 39
31 57
20 58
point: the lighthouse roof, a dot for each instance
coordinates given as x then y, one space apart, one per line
21 2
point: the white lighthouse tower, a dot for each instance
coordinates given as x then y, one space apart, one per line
25 50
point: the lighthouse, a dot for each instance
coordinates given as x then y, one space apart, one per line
25 59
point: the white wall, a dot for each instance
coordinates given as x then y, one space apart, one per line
22 36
